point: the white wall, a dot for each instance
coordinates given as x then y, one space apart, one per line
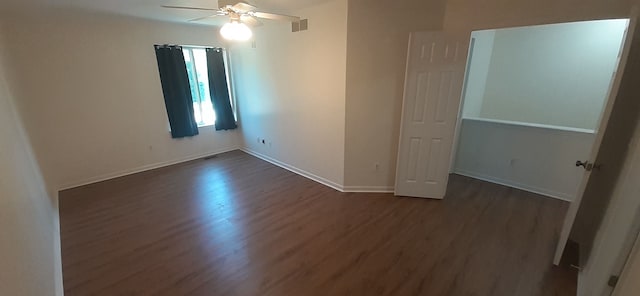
291 92
554 74
536 159
30 264
91 97
478 68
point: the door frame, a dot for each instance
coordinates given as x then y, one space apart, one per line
456 137
457 134
629 262
617 240
463 95
574 207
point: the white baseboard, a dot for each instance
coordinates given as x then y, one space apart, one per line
533 189
143 168
294 169
321 180
314 177
368 189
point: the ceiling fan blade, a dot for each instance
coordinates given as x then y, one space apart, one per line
189 7
243 7
274 16
251 21
204 17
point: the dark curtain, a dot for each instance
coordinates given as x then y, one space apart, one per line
176 90
220 90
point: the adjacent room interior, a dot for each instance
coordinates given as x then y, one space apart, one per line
533 99
319 147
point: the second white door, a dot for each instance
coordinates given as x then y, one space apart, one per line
435 73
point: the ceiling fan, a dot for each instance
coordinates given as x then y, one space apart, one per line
241 16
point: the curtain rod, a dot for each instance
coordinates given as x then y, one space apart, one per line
187 45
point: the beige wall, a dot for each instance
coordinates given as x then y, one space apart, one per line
378 34
91 97
72 114
291 92
376 59
466 15
29 261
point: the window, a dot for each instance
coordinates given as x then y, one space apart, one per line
183 71
196 61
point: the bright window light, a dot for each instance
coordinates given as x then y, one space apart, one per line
196 61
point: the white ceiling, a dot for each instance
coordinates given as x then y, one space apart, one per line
151 9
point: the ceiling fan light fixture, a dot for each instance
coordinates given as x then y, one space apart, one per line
236 31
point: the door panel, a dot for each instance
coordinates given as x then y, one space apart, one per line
435 72
618 231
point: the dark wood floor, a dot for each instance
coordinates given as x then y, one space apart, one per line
236 225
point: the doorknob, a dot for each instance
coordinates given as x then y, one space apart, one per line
587 165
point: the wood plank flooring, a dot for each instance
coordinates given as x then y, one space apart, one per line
236 225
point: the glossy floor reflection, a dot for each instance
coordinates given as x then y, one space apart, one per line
236 225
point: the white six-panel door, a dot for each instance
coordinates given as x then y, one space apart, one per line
433 85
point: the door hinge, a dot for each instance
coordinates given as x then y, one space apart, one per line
613 281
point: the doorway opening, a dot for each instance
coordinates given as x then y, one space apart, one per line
532 103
